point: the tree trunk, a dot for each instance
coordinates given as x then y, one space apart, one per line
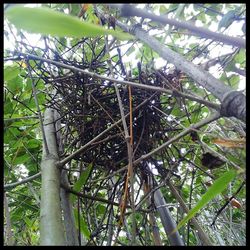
51 226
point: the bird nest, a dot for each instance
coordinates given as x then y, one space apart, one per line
88 106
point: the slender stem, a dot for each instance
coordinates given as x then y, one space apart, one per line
212 117
98 103
94 198
39 111
8 235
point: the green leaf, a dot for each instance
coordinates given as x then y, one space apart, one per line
74 9
34 143
241 56
17 144
10 72
227 19
179 14
219 185
21 159
8 106
202 17
49 22
28 221
15 84
82 181
101 209
83 226
234 81
163 9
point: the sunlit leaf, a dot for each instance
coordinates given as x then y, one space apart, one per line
179 13
241 56
48 22
15 85
10 72
23 64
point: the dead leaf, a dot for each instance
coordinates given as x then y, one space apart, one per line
229 143
235 203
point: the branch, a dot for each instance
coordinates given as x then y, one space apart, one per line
209 119
89 196
128 138
86 196
8 234
38 109
20 118
129 10
15 184
51 224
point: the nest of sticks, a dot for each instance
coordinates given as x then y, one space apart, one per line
88 106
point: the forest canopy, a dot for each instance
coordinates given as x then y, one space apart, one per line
124 124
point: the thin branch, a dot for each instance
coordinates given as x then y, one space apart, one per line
16 99
98 103
38 109
15 184
212 117
145 197
96 198
20 118
8 234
